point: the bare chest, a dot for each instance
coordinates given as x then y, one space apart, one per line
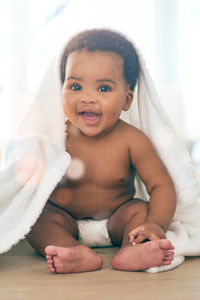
102 164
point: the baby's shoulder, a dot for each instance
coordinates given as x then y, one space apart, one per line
134 137
130 130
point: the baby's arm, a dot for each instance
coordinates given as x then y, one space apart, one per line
160 187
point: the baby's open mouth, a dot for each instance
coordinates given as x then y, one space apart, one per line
90 117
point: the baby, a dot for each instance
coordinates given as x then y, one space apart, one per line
99 71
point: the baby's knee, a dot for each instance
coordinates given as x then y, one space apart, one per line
63 218
141 208
54 215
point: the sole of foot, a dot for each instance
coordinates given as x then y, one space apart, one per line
72 259
144 256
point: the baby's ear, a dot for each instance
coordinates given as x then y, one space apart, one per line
129 99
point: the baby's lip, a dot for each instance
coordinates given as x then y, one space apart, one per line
90 116
89 111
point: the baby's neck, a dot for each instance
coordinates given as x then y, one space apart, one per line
75 131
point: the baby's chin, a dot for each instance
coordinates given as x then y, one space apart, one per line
88 131
92 133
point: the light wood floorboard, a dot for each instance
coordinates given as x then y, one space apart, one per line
24 275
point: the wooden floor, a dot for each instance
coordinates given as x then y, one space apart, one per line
24 275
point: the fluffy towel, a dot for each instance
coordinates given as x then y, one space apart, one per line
35 160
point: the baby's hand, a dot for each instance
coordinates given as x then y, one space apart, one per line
147 231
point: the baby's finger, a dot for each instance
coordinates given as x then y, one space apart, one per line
133 235
131 238
142 237
136 231
154 236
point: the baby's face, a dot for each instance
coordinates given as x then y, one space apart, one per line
95 91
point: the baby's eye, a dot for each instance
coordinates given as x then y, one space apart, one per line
104 89
76 87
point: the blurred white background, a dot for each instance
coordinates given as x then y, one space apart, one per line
166 31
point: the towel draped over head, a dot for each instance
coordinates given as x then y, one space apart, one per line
35 160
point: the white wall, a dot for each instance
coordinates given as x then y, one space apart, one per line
167 32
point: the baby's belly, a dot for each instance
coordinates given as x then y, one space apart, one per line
91 201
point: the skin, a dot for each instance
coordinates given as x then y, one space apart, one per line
110 152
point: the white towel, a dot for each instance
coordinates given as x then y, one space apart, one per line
35 160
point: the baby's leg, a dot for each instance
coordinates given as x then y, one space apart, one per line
141 256
54 235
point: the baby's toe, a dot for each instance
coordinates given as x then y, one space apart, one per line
170 253
48 257
51 250
166 263
52 269
165 244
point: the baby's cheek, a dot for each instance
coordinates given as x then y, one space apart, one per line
68 108
115 113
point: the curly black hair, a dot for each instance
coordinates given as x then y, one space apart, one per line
105 40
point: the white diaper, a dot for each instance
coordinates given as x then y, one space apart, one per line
93 233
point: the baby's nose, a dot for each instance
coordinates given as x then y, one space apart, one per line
88 99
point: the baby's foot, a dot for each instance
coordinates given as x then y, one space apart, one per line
144 256
72 259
